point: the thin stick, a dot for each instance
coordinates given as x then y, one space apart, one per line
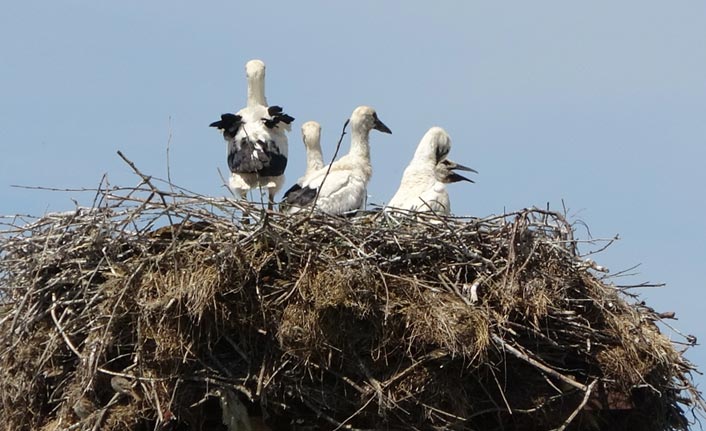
169 141
148 181
516 353
328 418
335 154
60 329
573 415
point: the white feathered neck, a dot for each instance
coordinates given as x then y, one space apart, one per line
311 135
255 72
362 123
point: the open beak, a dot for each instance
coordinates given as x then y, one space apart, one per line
456 166
379 125
453 177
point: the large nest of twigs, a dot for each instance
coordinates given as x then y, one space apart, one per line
165 310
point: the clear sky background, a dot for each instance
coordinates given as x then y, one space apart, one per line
601 105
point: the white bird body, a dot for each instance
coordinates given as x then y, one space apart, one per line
423 185
421 191
254 130
257 139
242 183
344 189
342 185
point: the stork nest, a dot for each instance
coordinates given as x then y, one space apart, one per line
211 306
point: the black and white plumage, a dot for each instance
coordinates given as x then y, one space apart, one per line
423 186
257 139
342 185
311 136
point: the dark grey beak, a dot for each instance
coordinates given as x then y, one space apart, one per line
454 165
453 177
379 125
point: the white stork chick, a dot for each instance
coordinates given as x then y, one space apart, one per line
257 139
423 186
311 136
342 185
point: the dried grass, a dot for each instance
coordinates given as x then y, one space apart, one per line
374 322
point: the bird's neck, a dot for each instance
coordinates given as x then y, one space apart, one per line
314 159
256 91
360 146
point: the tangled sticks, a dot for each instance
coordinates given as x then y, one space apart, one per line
381 321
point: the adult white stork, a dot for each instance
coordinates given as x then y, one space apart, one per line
311 136
342 185
257 139
423 186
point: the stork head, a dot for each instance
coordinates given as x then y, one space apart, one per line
255 73
364 119
445 172
311 134
434 146
255 69
432 152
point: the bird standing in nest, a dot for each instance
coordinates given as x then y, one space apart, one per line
341 186
423 186
311 136
257 139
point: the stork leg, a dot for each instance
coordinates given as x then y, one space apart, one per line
271 200
243 197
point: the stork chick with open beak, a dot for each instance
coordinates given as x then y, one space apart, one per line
423 185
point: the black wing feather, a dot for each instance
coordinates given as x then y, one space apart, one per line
262 158
229 123
292 189
276 117
301 196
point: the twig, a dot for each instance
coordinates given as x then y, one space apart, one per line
578 409
330 419
52 311
335 154
513 351
148 181
356 413
169 141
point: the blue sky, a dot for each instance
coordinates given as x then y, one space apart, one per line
599 105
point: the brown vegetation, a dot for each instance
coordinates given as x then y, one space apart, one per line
314 322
